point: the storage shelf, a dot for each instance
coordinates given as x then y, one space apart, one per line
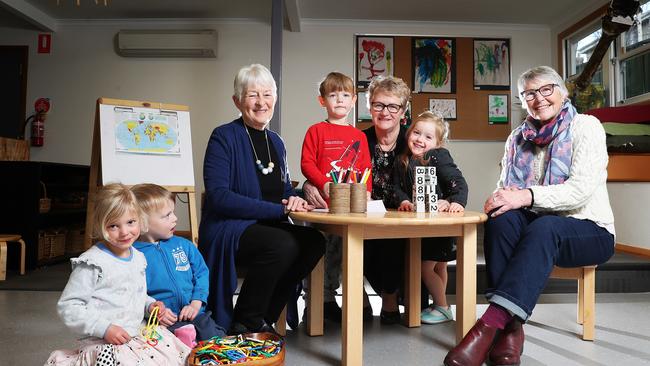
63 212
24 180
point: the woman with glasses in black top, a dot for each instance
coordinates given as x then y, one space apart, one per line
388 97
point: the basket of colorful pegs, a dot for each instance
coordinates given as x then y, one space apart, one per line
249 349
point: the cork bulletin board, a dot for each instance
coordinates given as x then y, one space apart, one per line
472 102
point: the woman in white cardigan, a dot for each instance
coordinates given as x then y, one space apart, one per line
550 207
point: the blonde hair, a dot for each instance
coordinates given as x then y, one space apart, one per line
112 202
335 81
151 197
389 85
254 74
442 133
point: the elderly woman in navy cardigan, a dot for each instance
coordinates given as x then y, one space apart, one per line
248 197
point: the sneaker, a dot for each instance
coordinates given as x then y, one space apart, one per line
332 311
436 314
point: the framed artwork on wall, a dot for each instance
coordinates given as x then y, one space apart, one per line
434 65
374 57
491 64
445 107
363 113
497 108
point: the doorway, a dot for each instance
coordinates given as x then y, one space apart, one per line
13 90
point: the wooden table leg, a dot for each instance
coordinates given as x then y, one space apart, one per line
466 282
315 300
3 260
414 276
352 325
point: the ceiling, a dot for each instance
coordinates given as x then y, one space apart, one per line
545 12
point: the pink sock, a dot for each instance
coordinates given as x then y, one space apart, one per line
186 334
496 316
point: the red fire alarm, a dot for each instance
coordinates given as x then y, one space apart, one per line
44 42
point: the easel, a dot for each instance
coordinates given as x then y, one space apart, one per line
96 167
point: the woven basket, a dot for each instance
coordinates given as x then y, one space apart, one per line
74 240
277 360
44 204
50 244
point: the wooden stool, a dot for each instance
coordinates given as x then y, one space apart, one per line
4 239
586 277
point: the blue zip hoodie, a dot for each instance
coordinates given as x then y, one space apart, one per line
176 272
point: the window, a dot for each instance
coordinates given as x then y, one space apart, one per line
634 62
578 49
624 74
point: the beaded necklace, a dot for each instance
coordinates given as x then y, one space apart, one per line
258 163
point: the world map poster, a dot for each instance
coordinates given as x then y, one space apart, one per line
146 133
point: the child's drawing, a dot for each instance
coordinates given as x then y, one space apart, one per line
492 64
374 57
434 65
445 107
498 109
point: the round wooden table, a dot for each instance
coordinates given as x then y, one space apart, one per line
354 228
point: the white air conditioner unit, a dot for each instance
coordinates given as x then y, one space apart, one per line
167 43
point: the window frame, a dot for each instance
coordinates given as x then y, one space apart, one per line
622 56
611 67
586 28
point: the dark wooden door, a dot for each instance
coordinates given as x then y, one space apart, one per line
13 90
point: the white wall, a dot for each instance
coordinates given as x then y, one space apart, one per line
83 66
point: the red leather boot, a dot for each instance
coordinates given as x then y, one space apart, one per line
473 349
508 348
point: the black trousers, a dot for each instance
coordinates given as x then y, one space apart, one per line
277 257
383 264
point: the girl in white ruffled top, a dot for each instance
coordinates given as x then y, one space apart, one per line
105 300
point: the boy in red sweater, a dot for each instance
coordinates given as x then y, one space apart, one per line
330 147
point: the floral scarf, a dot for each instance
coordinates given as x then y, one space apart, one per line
556 134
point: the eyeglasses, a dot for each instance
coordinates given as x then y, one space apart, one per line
544 90
379 107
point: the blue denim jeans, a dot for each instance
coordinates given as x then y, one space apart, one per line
521 248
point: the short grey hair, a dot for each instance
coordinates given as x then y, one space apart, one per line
254 74
540 73
390 85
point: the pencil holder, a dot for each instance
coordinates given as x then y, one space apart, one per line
358 197
339 198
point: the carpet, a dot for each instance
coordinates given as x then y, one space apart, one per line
47 278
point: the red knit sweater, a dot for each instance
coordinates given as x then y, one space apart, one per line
330 147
